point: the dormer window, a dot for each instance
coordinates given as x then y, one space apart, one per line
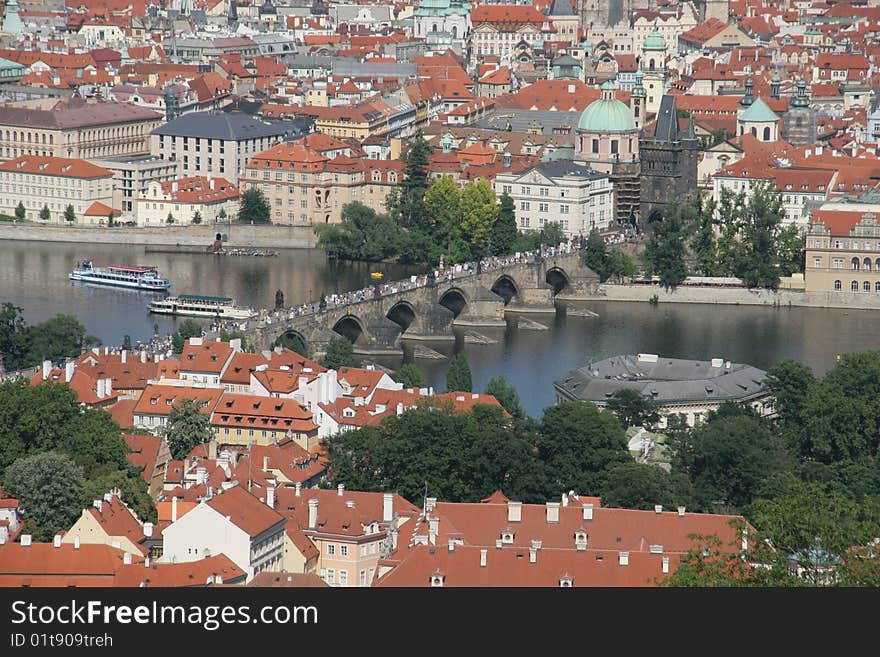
507 538
566 582
437 580
580 540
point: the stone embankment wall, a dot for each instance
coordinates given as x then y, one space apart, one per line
734 296
275 237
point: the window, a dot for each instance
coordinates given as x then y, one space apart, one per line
595 145
855 264
866 287
343 551
543 207
563 209
614 147
838 263
524 205
854 286
363 578
331 549
545 191
817 262
343 578
331 576
867 264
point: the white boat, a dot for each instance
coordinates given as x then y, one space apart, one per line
138 278
194 305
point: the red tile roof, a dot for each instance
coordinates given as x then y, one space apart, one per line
245 511
55 166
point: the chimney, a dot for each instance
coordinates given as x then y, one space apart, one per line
56 541
148 529
498 543
26 540
394 533
298 489
623 558
99 505
99 389
665 568
210 182
340 490
433 526
123 356
146 562
313 513
533 555
75 541
484 553
387 507
69 368
430 503
452 545
514 511
681 512
588 511
47 368
126 558
658 508
564 499
143 356
174 187
212 449
174 509
265 464
270 497
552 512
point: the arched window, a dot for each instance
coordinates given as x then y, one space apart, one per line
877 264
866 286
767 133
651 64
855 264
434 27
838 286
867 264
455 31
754 132
854 286
877 286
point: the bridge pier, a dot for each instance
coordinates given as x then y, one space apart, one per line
484 308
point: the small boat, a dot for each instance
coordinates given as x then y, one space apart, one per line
137 278
194 305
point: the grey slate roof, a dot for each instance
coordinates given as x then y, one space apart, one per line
562 168
228 126
521 119
667 381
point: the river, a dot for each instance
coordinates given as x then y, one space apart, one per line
33 275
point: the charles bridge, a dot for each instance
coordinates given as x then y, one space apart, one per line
429 311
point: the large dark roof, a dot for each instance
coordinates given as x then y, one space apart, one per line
667 380
561 168
74 114
228 126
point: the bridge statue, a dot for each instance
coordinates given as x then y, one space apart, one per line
279 300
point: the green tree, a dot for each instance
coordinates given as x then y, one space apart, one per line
790 251
761 226
340 353
409 205
253 207
479 210
703 242
20 211
362 235
595 255
48 485
69 214
246 345
169 219
665 250
730 249
578 443
458 376
633 409
132 490
197 217
788 381
187 427
619 265
632 485
504 232
443 209
45 214
292 342
189 328
56 338
732 459
506 395
221 216
12 332
411 376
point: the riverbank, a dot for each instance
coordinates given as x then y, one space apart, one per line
238 235
732 296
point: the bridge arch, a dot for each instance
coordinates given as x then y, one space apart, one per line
351 328
506 288
293 340
403 314
558 279
454 300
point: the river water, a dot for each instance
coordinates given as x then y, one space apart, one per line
33 275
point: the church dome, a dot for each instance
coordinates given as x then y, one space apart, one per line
607 114
654 41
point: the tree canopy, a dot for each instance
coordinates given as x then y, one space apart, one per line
254 207
187 427
24 346
410 376
340 353
458 376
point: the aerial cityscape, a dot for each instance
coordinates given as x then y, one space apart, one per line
442 293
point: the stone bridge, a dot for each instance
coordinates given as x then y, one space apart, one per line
428 313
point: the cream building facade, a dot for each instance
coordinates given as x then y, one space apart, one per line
212 200
843 249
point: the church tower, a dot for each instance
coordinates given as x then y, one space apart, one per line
654 56
637 100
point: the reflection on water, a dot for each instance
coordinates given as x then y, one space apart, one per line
34 276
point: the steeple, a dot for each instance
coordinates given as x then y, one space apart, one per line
232 14
801 99
774 86
749 98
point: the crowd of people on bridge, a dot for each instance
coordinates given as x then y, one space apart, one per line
442 274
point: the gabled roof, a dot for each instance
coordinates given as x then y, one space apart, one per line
227 126
245 511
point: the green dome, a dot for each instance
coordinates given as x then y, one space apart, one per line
607 115
654 41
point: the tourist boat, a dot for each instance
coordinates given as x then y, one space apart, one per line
138 278
193 305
